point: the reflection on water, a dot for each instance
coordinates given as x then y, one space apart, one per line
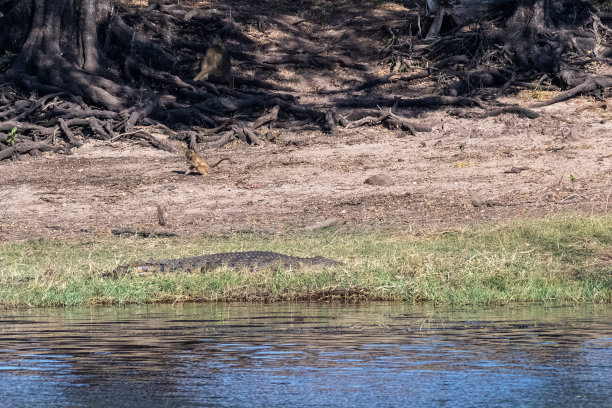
306 355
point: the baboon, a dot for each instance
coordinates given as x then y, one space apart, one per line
216 64
197 162
155 4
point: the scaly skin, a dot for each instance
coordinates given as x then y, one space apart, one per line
237 260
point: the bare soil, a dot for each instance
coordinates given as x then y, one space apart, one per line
464 171
458 174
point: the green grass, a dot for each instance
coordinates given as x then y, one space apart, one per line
560 259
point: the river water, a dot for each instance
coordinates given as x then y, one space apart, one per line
315 355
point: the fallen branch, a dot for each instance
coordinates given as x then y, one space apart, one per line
143 233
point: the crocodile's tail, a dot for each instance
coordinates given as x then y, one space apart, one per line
138 269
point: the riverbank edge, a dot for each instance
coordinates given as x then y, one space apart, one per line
564 258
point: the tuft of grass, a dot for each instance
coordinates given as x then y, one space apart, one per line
560 259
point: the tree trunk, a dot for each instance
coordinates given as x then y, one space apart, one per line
60 47
465 11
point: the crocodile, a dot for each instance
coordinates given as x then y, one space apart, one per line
236 260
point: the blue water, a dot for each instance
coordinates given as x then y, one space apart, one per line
307 355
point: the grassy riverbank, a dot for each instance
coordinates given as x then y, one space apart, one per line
561 259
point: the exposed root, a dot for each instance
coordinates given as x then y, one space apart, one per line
139 73
391 119
590 85
27 147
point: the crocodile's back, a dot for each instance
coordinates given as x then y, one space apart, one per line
236 260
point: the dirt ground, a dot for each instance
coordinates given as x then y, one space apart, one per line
464 171
460 173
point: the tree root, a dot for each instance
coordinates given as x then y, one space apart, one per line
27 147
590 84
424 102
55 102
391 119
